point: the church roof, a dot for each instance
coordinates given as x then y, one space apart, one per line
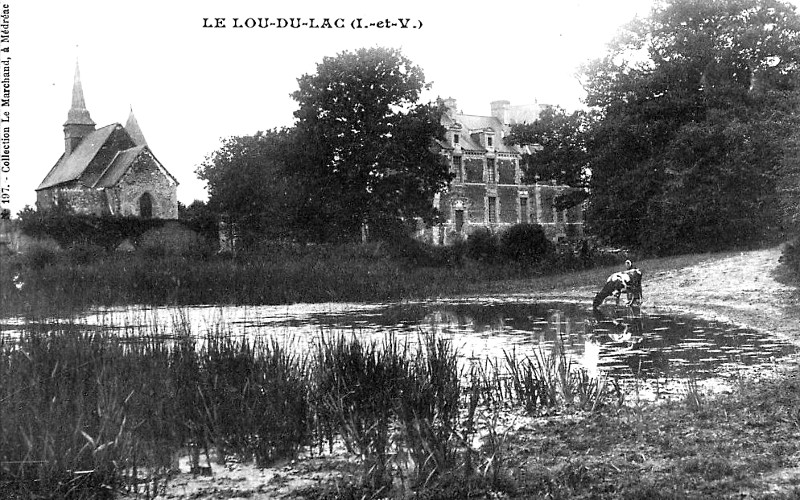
132 126
100 160
118 166
70 167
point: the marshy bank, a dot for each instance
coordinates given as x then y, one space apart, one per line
698 446
46 281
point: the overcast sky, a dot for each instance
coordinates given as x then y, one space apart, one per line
190 86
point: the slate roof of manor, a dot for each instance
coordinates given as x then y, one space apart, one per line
473 124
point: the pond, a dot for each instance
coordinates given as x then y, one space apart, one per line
658 351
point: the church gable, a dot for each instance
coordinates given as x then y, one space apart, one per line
142 188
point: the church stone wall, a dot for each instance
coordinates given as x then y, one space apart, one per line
144 176
80 199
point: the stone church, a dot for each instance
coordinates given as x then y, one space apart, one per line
107 171
488 189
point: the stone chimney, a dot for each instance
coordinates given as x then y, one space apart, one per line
500 110
451 108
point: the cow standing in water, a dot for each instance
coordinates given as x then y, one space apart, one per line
628 281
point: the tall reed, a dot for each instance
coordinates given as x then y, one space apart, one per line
356 386
542 380
82 413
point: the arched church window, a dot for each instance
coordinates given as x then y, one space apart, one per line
146 206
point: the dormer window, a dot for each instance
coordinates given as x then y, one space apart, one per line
489 141
455 138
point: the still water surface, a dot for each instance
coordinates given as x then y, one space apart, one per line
628 344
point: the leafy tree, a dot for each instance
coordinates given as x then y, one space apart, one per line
692 125
366 154
525 243
199 217
789 166
249 184
561 152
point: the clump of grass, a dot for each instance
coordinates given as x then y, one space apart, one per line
357 385
543 381
429 407
252 399
79 411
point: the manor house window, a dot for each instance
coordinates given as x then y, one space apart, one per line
523 210
457 169
491 179
492 209
459 221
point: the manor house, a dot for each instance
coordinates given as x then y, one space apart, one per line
488 189
107 171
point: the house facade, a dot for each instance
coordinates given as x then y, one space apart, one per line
488 190
107 171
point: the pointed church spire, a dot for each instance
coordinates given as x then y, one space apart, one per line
132 126
79 124
78 114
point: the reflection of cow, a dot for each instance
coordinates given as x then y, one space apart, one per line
629 281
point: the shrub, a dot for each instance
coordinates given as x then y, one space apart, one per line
39 256
482 245
69 229
85 253
525 243
420 254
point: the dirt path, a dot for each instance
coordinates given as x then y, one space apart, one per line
738 289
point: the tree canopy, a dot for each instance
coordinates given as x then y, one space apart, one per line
694 119
248 183
560 152
367 143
